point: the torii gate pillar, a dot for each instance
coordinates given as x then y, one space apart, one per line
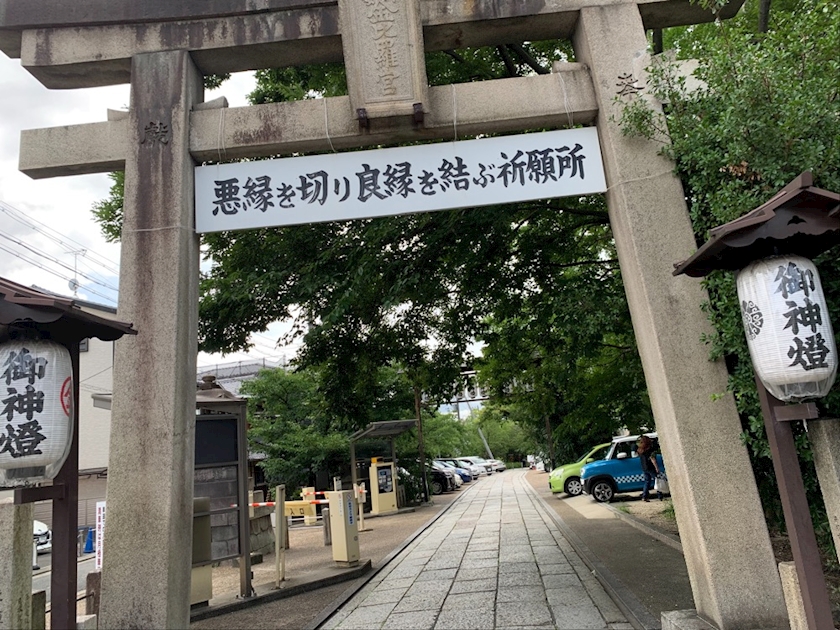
730 562
146 584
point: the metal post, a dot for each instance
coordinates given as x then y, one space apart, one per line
245 510
325 514
280 534
353 477
803 542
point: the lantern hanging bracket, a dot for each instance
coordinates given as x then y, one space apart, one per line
802 411
55 492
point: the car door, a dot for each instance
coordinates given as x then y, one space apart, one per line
627 467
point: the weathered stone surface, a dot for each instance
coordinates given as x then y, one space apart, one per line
383 56
319 125
16 566
793 596
146 572
685 620
825 441
87 56
734 584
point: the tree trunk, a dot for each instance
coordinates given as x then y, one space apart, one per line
763 16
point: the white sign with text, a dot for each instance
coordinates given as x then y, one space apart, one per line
100 534
401 180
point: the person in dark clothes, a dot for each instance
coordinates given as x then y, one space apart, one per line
650 468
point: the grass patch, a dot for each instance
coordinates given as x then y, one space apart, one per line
668 511
623 508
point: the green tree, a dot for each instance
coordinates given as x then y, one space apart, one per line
288 423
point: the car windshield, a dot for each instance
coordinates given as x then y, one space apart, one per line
599 454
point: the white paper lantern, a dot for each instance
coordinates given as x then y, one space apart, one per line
788 327
36 410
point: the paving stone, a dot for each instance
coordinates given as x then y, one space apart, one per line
465 619
486 553
506 568
484 600
567 596
473 586
524 578
523 614
520 594
420 620
437 574
384 596
483 573
429 588
577 617
367 616
412 603
562 580
479 563
555 569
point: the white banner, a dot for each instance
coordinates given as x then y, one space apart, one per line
100 534
402 180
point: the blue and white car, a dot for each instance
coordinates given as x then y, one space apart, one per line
620 471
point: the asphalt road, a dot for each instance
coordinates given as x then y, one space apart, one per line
41 577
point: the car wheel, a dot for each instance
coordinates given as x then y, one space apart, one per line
573 486
437 487
602 491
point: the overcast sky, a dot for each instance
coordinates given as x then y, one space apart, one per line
48 237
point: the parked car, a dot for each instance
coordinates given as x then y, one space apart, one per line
42 537
480 461
498 465
472 469
620 471
440 480
566 478
464 474
449 469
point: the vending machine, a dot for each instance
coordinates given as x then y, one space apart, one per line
383 486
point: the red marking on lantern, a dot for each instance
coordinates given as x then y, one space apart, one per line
67 395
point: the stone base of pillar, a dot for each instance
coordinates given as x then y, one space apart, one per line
793 596
685 620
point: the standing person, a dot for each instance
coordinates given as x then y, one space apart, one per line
650 468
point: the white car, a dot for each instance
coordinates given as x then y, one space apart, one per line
475 471
42 536
480 461
498 465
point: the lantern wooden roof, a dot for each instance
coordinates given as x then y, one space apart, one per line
62 318
799 219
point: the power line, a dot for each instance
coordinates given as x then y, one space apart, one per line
52 271
53 259
65 241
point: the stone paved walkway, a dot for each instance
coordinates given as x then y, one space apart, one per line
493 560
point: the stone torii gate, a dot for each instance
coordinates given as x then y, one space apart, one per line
164 47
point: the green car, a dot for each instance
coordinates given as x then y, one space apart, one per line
566 478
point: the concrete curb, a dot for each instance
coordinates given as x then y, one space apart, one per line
337 603
652 531
627 602
275 594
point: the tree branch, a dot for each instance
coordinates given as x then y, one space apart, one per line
528 59
509 65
